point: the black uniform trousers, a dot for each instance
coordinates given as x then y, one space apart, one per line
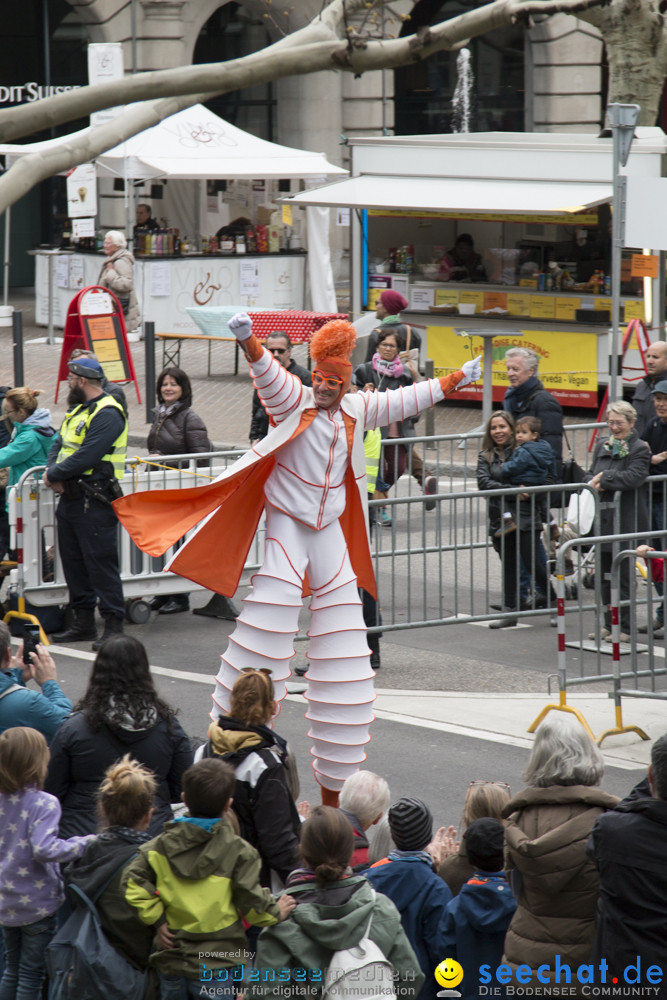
88 545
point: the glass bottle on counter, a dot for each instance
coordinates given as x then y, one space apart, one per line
240 243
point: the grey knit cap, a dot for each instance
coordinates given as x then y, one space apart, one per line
411 824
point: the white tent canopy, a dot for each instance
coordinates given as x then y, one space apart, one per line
195 144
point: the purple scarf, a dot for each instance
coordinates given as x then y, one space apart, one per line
388 369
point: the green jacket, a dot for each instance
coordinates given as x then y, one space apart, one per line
326 920
201 882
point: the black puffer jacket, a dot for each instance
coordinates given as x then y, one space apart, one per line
80 755
180 432
262 801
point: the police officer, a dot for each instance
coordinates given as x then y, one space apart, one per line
84 466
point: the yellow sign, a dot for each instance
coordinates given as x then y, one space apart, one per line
563 219
542 307
287 214
602 304
518 305
476 297
446 297
567 308
568 361
634 310
373 296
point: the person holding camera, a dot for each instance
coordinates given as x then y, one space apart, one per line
84 466
42 710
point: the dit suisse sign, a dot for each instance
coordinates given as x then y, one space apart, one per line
28 92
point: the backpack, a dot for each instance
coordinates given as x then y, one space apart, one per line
362 972
83 964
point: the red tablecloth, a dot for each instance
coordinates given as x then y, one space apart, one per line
298 324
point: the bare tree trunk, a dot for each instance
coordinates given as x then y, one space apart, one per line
636 41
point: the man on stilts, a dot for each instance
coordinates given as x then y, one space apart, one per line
309 476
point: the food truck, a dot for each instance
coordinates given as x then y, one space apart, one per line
503 232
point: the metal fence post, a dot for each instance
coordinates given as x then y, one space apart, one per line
17 344
149 349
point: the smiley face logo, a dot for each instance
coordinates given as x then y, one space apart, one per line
449 973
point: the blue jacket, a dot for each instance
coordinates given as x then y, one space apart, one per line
531 464
29 445
421 897
43 710
475 926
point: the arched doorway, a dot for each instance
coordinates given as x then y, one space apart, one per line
233 31
423 91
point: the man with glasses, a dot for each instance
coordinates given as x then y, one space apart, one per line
84 466
309 475
280 346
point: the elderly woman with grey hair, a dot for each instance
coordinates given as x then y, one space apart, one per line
620 464
364 798
117 274
548 825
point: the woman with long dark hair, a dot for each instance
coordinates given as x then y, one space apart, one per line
120 713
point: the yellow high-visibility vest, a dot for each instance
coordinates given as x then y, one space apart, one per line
75 427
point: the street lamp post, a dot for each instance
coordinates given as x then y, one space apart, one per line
623 119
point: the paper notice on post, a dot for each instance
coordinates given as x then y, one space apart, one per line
249 282
160 279
76 272
62 272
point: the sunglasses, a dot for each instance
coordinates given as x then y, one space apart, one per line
483 781
277 350
331 381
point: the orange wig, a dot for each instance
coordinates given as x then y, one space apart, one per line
335 339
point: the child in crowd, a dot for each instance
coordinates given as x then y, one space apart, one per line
193 883
408 878
125 804
30 849
477 919
532 464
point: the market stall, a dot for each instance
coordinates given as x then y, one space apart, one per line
174 272
503 232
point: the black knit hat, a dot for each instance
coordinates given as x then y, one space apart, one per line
484 842
411 824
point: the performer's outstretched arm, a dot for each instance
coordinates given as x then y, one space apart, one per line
382 408
279 390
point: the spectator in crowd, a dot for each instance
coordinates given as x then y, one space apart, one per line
381 841
390 305
125 806
144 217
462 262
478 917
643 400
280 346
32 434
527 397
111 388
265 788
621 463
176 430
5 435
627 846
120 713
192 883
520 531
483 799
42 710
118 276
655 435
364 799
32 889
386 371
408 878
548 825
84 466
335 910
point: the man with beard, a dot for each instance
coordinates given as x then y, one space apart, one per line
84 466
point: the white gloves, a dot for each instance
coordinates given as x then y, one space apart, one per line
471 369
241 326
